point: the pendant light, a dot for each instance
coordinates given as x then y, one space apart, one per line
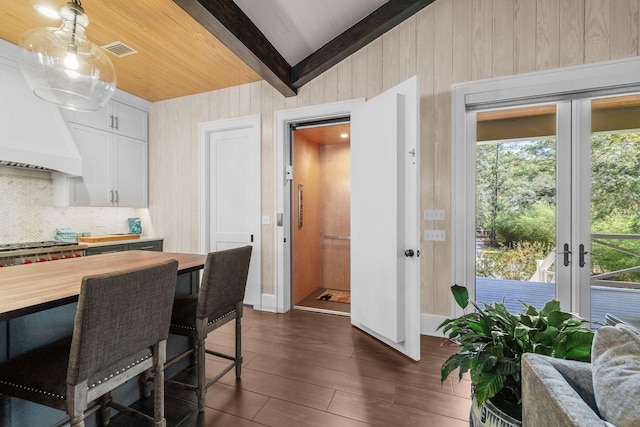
63 67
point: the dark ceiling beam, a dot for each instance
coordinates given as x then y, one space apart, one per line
361 34
228 23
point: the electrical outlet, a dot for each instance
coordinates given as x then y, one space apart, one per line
434 235
433 215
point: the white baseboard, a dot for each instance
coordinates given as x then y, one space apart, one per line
269 303
429 323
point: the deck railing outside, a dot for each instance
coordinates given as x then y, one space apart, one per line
607 294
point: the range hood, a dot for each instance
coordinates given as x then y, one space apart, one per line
32 132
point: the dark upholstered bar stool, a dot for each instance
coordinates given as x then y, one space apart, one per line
120 330
218 301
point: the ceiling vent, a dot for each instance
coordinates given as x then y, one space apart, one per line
119 49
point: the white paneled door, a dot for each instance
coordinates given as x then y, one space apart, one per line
230 215
385 229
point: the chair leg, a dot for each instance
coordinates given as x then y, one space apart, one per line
160 356
238 359
76 403
105 411
201 392
77 421
143 383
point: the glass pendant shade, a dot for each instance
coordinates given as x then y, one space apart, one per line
63 67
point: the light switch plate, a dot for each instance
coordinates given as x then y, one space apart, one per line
434 235
266 219
433 215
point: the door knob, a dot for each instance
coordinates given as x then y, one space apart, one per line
408 253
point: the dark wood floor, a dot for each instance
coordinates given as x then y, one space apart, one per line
311 369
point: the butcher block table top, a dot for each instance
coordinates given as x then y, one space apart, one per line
29 288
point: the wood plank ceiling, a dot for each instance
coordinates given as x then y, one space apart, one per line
193 46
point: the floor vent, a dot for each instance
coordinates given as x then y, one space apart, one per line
119 49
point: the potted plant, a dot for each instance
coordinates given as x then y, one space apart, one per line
492 341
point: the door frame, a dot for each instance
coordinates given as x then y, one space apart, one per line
282 121
205 129
618 76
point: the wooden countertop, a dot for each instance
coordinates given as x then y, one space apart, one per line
33 287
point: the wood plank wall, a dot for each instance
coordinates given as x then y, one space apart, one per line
448 42
335 216
306 239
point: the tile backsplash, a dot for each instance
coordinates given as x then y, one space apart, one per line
27 213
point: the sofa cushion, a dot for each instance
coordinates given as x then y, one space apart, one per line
615 359
557 392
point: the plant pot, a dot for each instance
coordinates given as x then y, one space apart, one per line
488 415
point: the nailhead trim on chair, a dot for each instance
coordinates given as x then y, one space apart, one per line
33 390
192 328
47 393
183 327
119 371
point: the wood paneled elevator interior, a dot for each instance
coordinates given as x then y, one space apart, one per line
320 217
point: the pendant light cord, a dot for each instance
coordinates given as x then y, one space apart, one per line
76 7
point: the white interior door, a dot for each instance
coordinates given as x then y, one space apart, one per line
385 236
232 179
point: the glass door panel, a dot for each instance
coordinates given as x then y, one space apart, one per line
517 210
614 259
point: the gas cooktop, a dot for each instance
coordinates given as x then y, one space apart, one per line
8 247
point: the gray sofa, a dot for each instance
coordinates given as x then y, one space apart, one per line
557 392
605 392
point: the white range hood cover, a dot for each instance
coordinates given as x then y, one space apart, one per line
32 131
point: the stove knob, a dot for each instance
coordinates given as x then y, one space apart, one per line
1 265
66 256
27 261
78 255
53 258
42 260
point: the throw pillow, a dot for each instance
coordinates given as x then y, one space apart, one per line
615 359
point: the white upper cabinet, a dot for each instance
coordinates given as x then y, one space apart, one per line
115 117
114 169
113 146
130 176
94 187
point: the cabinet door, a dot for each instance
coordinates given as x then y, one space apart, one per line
129 121
130 172
106 249
94 187
100 119
115 117
153 245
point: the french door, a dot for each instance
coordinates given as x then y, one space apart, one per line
614 210
557 203
522 236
